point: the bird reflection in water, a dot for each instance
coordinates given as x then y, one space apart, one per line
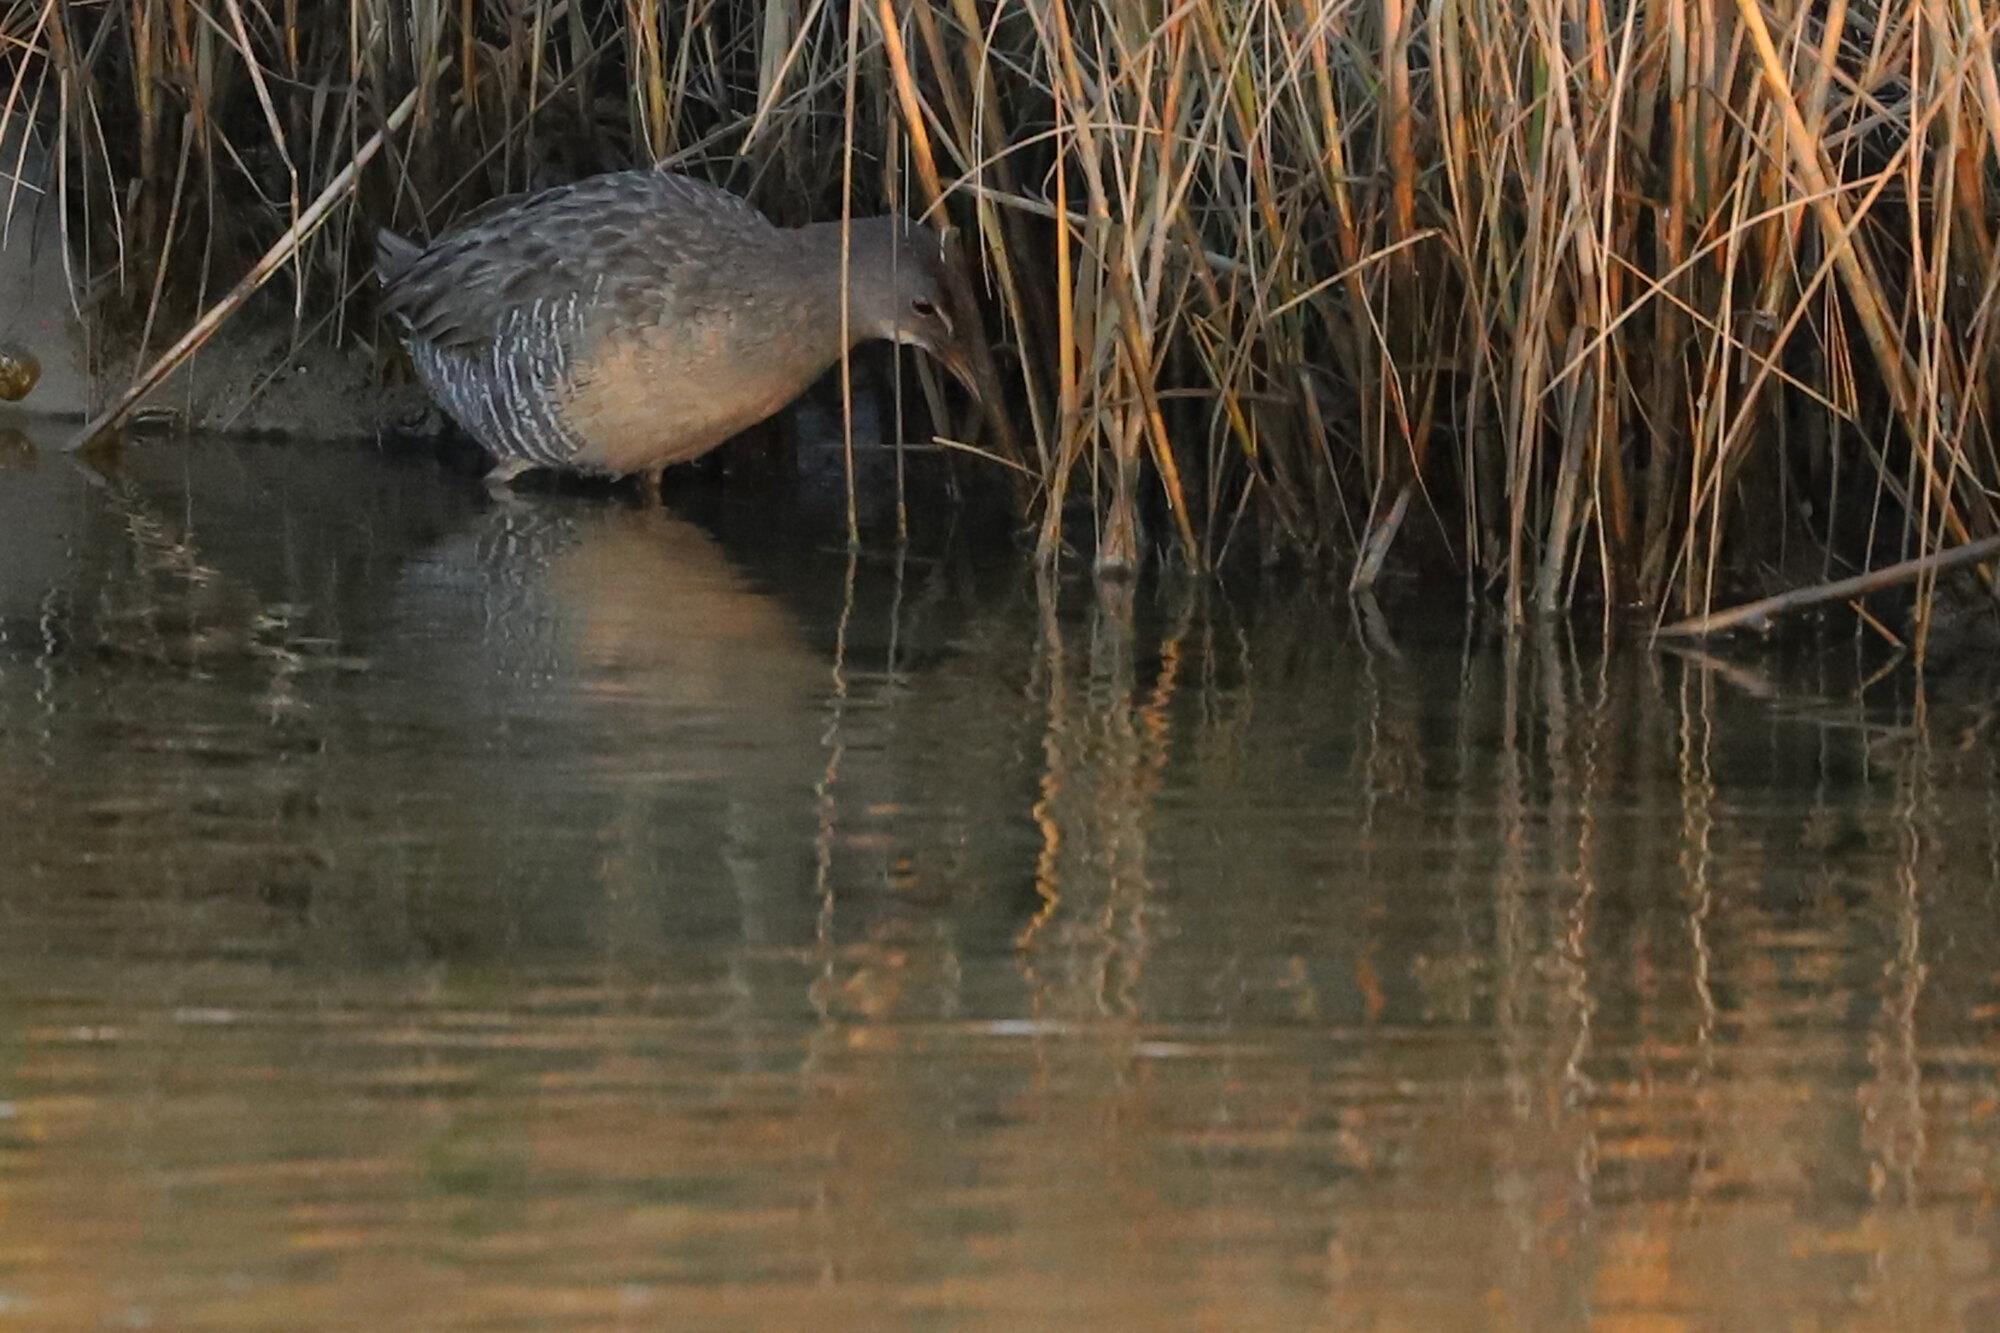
643 720
557 602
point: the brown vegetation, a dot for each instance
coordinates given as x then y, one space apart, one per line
1628 302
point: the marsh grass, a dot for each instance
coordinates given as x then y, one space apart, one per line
1647 304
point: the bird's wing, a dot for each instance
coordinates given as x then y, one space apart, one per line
633 239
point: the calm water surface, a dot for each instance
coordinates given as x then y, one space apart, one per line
422 914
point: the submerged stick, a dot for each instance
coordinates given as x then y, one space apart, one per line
1756 613
274 258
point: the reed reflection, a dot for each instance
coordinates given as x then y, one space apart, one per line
1105 749
1625 887
612 930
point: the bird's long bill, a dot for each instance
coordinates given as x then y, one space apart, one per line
953 358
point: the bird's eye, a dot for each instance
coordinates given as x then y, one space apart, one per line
923 306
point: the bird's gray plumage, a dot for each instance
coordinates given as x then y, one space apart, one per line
637 318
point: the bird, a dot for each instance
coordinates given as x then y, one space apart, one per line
637 319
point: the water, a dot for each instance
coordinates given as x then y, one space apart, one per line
416 913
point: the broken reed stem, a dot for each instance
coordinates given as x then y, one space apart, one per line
1757 614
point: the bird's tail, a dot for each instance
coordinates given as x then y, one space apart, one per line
393 256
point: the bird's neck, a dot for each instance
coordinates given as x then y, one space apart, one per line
852 287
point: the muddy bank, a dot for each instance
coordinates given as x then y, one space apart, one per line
258 375
44 357
255 377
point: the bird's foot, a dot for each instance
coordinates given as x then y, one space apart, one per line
500 481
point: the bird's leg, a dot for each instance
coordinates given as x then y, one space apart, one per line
499 481
649 483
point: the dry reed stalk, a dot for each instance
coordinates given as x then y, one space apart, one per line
1400 463
1658 273
652 108
1069 393
281 251
915 118
1758 614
